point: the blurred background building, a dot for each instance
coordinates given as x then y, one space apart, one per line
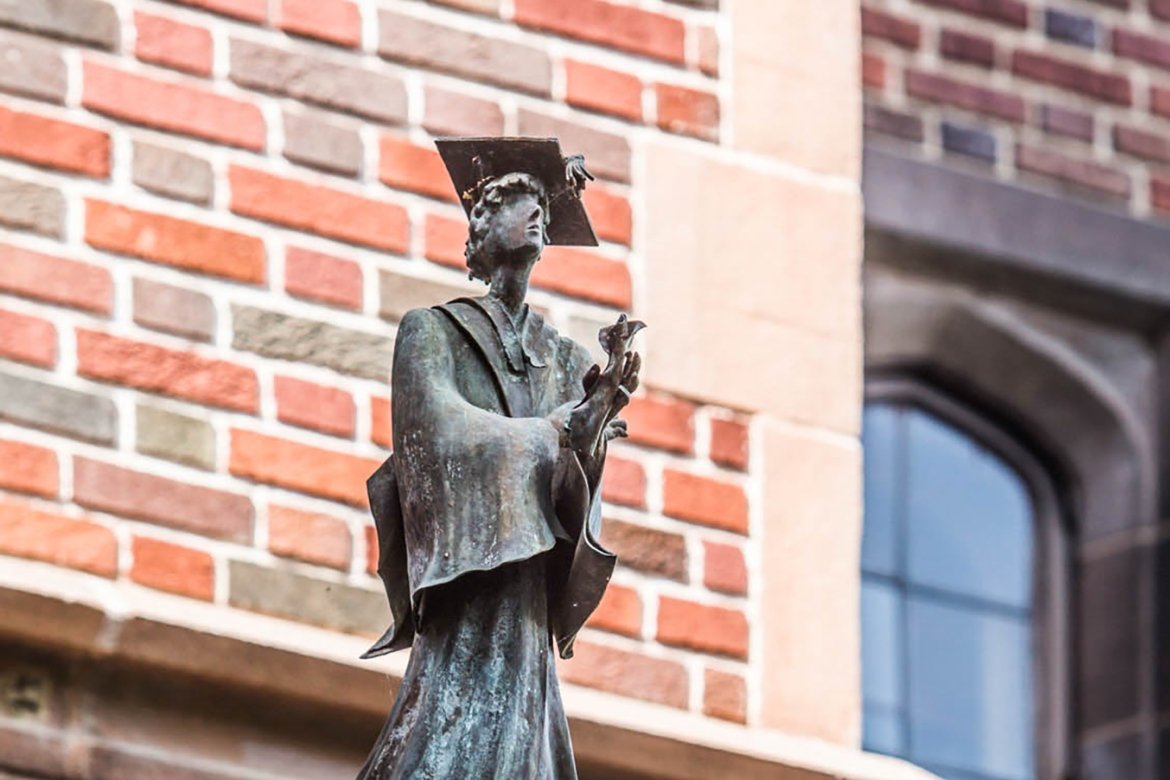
213 213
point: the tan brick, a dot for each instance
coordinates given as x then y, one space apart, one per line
177 437
399 293
92 22
318 143
171 309
322 344
307 599
175 504
32 69
32 207
724 695
59 410
453 113
173 173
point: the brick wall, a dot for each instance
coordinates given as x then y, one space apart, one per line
1071 96
215 211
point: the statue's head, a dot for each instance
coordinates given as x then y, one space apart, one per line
508 224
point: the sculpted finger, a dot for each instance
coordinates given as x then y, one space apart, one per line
591 377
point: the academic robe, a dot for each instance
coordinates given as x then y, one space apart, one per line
487 530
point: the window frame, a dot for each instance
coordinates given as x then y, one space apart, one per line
1052 564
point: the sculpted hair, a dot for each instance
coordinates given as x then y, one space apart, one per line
490 200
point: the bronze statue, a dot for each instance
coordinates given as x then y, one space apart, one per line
488 511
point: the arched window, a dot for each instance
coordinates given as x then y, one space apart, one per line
962 647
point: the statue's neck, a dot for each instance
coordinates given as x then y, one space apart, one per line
509 286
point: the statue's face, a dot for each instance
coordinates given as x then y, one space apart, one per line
516 230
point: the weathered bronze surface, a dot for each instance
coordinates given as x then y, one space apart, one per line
488 511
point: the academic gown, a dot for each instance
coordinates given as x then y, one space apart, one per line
487 530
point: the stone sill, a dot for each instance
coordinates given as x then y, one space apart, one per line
45 606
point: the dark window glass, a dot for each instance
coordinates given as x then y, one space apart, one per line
946 600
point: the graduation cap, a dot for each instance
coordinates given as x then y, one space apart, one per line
473 162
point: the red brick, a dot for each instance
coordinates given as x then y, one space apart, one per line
729 443
625 673
1010 12
309 405
78 544
309 536
705 501
176 504
173 568
949 91
708 50
183 374
724 696
334 21
648 550
334 475
248 10
898 30
600 89
445 240
27 339
1160 100
873 71
1067 122
1160 9
583 274
608 24
371 550
662 422
702 627
1071 76
453 113
624 482
322 210
1150 49
56 280
687 111
175 242
724 568
1142 143
173 107
407 166
54 144
1071 170
1160 193
172 44
609 213
28 468
964 47
619 612
319 277
380 430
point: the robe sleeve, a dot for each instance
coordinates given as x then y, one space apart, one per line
476 487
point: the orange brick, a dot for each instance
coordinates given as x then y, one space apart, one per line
309 536
371 550
176 242
406 166
334 475
609 212
78 544
309 405
54 144
320 277
170 372
724 568
687 111
724 696
624 482
582 274
170 43
248 10
729 443
873 71
445 240
27 339
601 89
705 501
27 468
380 430
661 422
56 280
173 107
322 210
173 568
620 611
618 26
702 627
1160 100
625 673
335 21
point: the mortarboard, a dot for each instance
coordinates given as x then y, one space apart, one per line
472 162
